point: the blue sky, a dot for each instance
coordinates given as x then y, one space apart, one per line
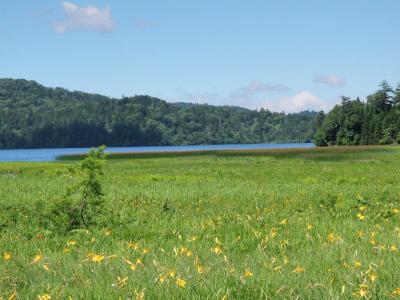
284 55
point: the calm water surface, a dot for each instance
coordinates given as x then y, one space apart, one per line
51 154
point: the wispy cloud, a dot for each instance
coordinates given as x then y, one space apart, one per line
301 101
85 17
330 79
245 96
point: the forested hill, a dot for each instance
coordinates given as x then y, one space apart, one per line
34 116
353 122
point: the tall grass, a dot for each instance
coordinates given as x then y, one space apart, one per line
304 224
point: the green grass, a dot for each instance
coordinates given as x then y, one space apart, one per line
271 213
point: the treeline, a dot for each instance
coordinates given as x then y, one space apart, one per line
353 122
34 116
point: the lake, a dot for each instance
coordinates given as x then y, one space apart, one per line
51 154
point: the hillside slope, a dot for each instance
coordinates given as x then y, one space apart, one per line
34 116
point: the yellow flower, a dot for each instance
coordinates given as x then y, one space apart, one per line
71 243
373 277
139 295
217 250
395 211
46 267
172 273
13 296
44 297
283 222
133 245
274 232
360 216
362 208
360 234
180 282
200 269
217 241
396 292
162 278
193 238
107 232
7 256
37 259
309 226
393 248
247 273
96 258
298 270
145 250
361 293
357 264
331 238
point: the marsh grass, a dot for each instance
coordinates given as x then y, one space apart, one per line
297 224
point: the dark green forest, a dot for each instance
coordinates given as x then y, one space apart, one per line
34 116
354 122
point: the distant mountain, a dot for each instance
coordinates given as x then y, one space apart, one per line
34 116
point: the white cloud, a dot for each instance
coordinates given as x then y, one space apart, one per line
86 17
331 79
301 101
247 96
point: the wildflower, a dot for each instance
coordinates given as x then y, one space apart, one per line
396 292
395 211
217 250
145 250
283 222
46 267
331 238
172 273
133 245
12 296
96 258
274 232
180 282
162 278
309 226
360 234
44 297
285 260
200 269
298 270
247 273
357 264
360 216
37 259
71 243
121 282
139 295
373 277
393 248
362 208
107 232
7 256
361 293
193 238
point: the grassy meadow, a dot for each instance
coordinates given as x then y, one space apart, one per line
278 224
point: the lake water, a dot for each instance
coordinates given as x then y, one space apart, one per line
51 154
